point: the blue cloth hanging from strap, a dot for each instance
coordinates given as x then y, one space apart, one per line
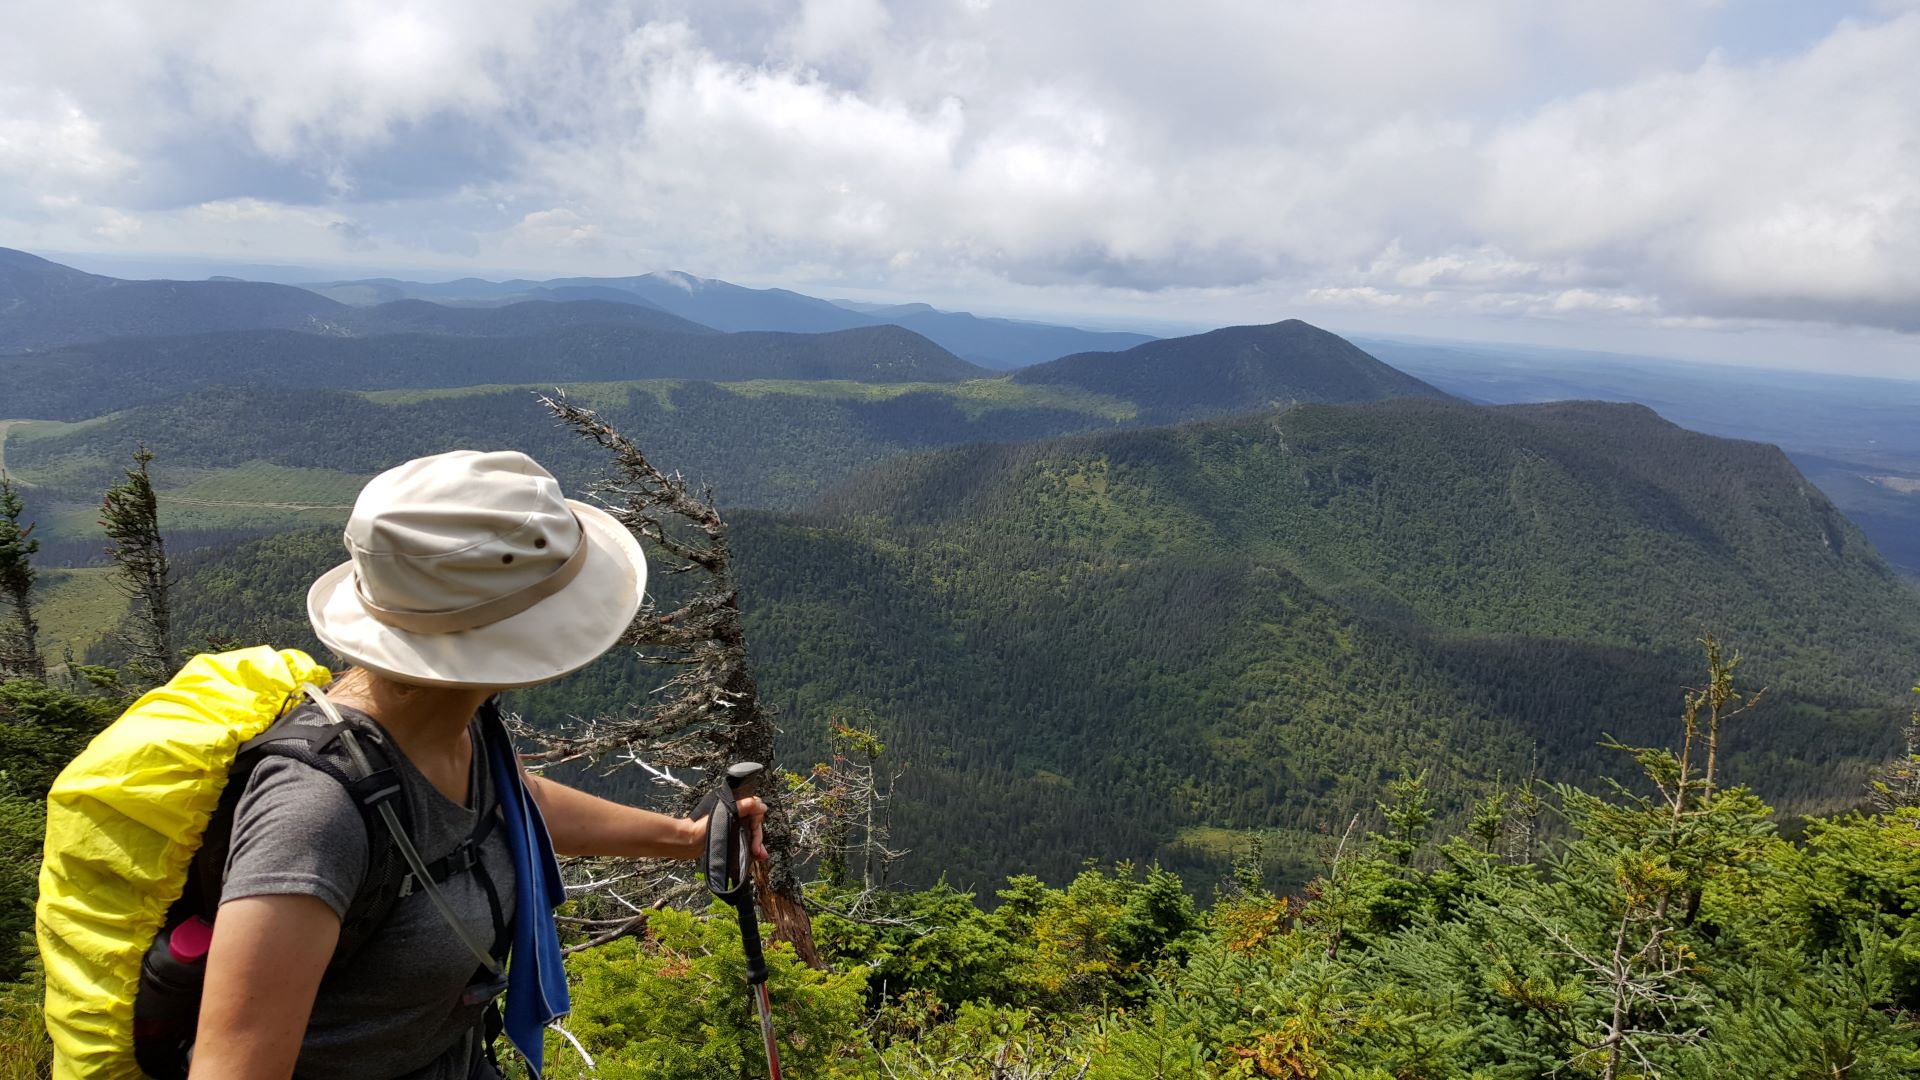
536 977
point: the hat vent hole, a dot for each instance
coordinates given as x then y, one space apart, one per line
506 558
540 541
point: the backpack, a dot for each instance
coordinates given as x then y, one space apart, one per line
138 827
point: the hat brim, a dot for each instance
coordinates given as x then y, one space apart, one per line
557 636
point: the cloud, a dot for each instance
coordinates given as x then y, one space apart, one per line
827 30
312 83
558 228
50 145
1505 158
354 235
252 211
1781 187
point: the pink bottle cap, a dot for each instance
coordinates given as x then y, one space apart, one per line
190 940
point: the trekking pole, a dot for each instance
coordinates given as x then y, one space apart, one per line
728 862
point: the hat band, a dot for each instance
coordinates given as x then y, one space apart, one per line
485 612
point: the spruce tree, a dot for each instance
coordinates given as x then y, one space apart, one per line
1488 824
1408 815
131 516
19 635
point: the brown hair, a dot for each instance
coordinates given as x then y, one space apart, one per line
361 681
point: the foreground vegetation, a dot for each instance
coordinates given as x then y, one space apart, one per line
1666 930
1659 926
1658 929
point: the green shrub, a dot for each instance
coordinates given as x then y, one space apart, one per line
676 1006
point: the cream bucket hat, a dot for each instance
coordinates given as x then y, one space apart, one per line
471 569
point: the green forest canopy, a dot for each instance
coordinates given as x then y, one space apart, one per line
1125 643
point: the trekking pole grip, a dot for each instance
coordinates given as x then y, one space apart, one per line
743 780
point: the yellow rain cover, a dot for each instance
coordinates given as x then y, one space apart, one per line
123 822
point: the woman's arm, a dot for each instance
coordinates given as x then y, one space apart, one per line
583 824
263 971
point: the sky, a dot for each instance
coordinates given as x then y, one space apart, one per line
1730 180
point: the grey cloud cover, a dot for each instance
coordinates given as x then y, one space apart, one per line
1647 163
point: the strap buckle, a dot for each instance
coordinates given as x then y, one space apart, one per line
461 859
458 861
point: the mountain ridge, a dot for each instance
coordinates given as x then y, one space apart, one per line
44 304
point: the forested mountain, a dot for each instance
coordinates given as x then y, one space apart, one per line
85 381
1125 643
45 304
1235 369
1854 436
29 280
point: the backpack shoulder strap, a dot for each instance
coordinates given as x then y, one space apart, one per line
358 757
305 735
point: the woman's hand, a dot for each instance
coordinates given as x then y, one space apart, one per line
752 811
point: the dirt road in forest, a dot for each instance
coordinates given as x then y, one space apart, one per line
6 426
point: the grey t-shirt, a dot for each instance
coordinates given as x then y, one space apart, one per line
394 1012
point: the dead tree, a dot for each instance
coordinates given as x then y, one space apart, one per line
19 635
842 814
705 717
131 516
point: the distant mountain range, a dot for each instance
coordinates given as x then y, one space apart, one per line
121 343
44 304
717 304
526 318
994 343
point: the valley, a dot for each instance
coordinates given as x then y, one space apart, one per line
6 429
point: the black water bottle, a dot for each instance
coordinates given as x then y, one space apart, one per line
167 1009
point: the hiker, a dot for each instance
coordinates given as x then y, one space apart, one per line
469 574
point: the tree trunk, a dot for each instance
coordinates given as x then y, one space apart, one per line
791 923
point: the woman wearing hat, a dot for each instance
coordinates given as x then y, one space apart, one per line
469 574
